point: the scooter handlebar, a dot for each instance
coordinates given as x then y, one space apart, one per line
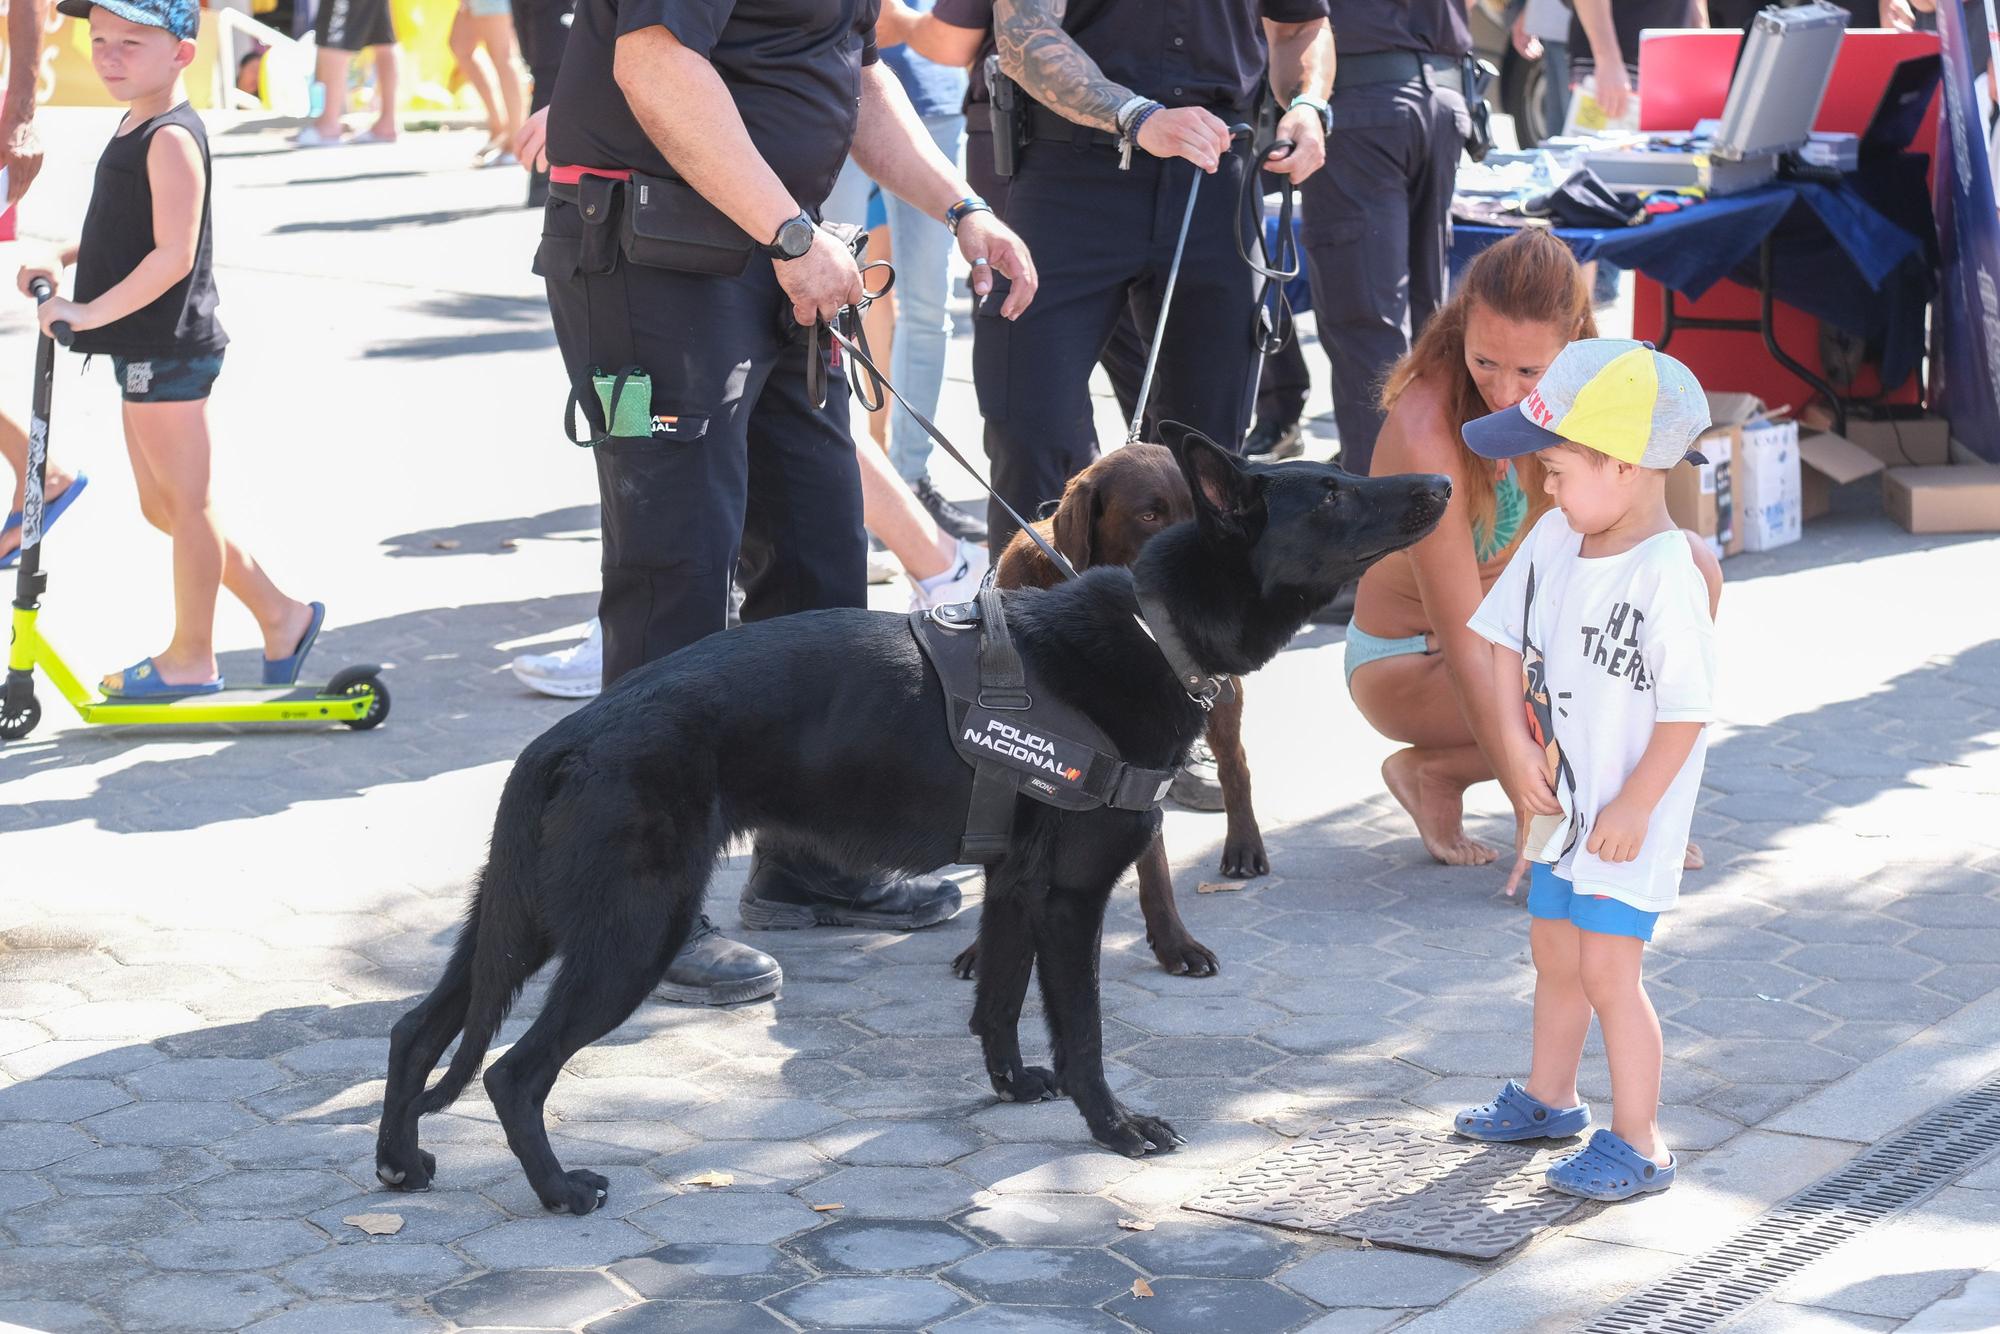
41 289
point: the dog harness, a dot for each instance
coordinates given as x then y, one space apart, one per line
1020 740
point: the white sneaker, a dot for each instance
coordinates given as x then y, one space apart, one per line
883 568
576 672
958 584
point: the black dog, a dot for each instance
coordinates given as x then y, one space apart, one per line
824 728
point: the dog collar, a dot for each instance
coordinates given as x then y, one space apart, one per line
1203 689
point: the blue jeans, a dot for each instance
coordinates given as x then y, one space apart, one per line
920 248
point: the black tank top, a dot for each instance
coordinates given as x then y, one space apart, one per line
118 233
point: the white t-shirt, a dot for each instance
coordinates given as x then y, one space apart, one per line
1611 645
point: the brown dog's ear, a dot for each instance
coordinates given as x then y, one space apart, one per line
1075 528
1223 492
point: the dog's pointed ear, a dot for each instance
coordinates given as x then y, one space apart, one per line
1075 524
1222 490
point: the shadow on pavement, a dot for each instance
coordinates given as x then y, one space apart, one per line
486 535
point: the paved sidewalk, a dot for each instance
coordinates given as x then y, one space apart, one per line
204 938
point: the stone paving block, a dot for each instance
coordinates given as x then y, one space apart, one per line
898 1143
1730 1017
710 1272
1751 1103
1053 1122
995 1319
113 1220
19 1190
60 1099
631 1189
1013 1169
756 1164
1042 1276
362 1268
1521 1297
741 1217
121 1020
296 1144
877 1303
1955 945
1043 1220
1213 1306
460 1167
357 1057
53 1317
196 1301
872 1246
232 1244
28 1145
628 1098
1777 1318
1202 1058
1378 1277
559 1239
1964 981
760 1118
332 1100
680 1317
428 1216
529 1298
1334 1034
1354 1320
349 1318
169 1123
955 1097
1204 1016
1767 1060
1879 1000
79 1058
128 1170
204 1078
1864 1040
1457 1054
893 1192
1185 1248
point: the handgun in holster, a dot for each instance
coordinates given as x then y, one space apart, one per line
1009 110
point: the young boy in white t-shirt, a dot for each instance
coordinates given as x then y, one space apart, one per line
1604 620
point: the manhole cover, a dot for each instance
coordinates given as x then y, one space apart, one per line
1396 1184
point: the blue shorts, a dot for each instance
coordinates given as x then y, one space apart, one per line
166 379
1555 899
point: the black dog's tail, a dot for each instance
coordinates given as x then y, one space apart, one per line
501 944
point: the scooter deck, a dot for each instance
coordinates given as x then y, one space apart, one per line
244 704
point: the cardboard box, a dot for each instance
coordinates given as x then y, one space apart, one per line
1910 442
1769 489
1961 499
1702 496
1829 461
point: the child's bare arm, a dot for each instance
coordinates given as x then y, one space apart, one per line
174 169
1620 829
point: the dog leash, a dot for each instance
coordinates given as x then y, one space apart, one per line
1272 325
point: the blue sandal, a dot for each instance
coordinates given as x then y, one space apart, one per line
1610 1169
142 681
50 513
285 671
1515 1116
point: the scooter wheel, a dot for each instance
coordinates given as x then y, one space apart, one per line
15 724
377 711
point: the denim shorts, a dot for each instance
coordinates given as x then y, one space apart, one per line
490 9
1555 899
166 379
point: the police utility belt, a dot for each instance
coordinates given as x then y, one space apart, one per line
1020 740
658 223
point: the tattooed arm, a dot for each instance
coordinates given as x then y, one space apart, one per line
1036 53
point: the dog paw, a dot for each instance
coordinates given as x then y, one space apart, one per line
416 1177
1186 956
1244 859
967 962
1033 1084
576 1192
1136 1136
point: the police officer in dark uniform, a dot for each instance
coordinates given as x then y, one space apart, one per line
691 144
1125 95
1377 224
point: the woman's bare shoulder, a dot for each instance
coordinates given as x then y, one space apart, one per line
1419 434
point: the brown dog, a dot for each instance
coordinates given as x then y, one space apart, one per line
1107 513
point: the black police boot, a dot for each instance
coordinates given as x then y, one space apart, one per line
949 516
1276 440
787 891
712 969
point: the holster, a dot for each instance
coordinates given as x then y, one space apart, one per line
1009 113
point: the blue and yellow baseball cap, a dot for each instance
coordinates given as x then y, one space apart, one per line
1626 400
182 18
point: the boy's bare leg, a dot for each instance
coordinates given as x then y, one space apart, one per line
1562 1012
387 66
1611 967
496 34
330 68
56 479
464 44
169 447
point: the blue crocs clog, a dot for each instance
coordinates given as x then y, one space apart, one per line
142 681
1516 1116
1608 1168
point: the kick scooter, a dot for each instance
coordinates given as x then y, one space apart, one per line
354 697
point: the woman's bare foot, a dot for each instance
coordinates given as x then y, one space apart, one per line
1694 861
52 489
282 639
1437 807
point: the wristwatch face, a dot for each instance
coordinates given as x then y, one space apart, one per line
795 237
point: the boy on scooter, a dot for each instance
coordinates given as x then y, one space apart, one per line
145 297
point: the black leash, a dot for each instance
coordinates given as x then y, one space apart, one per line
1272 325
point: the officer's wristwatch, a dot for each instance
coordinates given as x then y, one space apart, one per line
793 239
1325 111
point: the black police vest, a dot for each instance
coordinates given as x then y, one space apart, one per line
1020 740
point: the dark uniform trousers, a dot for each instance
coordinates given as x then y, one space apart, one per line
1103 238
1377 237
542 28
750 468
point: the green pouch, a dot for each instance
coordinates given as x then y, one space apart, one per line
626 399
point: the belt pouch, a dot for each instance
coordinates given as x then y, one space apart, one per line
668 225
597 204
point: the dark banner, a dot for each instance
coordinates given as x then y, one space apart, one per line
1966 382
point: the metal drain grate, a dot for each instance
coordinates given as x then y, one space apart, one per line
1884 1180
